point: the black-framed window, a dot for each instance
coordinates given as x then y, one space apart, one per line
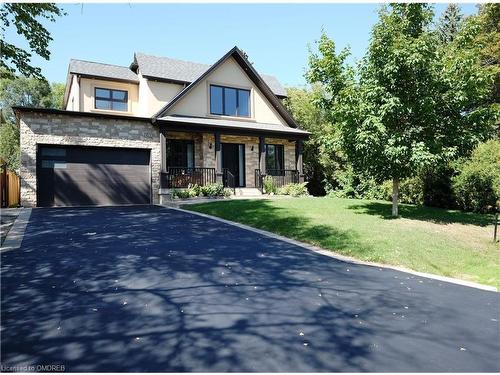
180 153
275 157
110 99
53 157
229 101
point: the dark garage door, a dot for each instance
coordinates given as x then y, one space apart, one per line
87 176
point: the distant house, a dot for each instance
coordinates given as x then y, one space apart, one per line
128 135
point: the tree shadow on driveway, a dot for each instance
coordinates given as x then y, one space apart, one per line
264 215
152 289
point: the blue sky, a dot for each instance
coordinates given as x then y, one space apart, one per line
275 36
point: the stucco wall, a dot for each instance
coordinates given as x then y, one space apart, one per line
73 103
87 95
40 128
196 102
147 97
154 95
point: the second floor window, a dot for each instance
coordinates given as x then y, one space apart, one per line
108 99
229 101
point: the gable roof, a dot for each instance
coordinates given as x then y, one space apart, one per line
89 68
166 68
240 58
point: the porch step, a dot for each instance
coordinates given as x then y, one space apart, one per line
247 192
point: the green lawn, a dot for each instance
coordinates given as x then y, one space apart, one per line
444 242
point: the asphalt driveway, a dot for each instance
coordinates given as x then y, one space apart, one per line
153 289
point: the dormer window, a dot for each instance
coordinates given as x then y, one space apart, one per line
111 100
229 101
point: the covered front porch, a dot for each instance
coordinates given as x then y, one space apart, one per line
236 156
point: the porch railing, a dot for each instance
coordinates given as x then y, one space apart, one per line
258 180
228 180
178 177
281 177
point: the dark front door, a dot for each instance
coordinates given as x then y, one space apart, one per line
233 159
89 176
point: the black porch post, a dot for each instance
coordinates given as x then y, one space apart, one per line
298 159
218 158
262 155
163 157
163 149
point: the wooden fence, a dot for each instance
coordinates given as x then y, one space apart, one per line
10 188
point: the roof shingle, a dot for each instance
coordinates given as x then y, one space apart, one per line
187 71
157 67
102 70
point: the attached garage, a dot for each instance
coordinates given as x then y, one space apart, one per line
90 176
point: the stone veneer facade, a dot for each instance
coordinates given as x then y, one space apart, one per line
205 156
56 129
37 128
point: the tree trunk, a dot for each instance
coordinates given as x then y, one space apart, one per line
395 195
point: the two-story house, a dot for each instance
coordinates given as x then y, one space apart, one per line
128 135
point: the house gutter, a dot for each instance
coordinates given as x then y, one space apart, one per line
173 126
52 111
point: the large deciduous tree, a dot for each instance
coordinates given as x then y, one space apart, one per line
411 104
25 18
9 145
450 23
301 104
57 95
22 91
486 41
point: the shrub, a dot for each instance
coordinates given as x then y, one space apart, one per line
477 185
355 185
368 188
295 190
195 190
437 190
212 190
269 186
180 193
430 187
410 190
